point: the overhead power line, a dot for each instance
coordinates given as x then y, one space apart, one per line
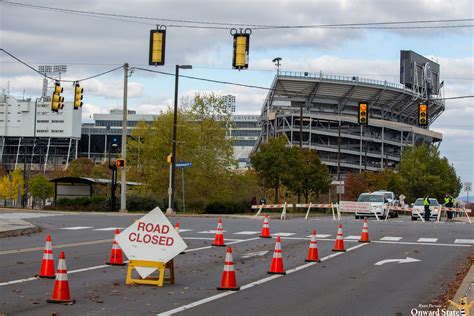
182 23
183 76
62 80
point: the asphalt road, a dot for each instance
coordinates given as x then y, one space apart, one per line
343 284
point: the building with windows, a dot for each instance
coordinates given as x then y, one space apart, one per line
229 101
245 132
31 134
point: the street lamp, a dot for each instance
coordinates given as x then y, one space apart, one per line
175 123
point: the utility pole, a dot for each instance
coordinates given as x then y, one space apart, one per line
123 168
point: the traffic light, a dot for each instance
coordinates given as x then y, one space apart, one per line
78 96
119 163
57 101
169 158
363 117
157 47
240 57
423 114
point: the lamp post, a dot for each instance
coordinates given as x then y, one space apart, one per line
175 123
112 166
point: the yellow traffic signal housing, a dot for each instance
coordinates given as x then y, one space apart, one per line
169 158
240 58
57 88
363 117
78 91
119 163
57 101
423 114
157 47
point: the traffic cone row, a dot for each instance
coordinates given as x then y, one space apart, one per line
266 228
228 281
47 264
61 294
219 238
313 255
116 255
339 245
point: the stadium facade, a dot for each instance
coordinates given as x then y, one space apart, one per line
320 112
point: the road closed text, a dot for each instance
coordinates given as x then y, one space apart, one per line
154 234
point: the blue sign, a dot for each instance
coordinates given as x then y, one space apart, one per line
183 164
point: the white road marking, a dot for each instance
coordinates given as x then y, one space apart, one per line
185 230
254 254
105 266
208 238
427 240
464 241
107 229
210 232
320 236
283 234
76 227
250 285
247 233
418 243
25 215
388 238
352 237
407 260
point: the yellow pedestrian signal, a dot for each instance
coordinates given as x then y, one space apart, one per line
57 101
157 47
169 158
422 114
240 57
78 91
363 117
120 163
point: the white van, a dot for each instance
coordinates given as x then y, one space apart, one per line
377 201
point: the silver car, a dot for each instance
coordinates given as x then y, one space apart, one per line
418 205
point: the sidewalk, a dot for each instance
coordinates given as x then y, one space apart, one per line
466 289
16 227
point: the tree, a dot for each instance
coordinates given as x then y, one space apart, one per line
305 174
271 162
202 139
41 188
422 171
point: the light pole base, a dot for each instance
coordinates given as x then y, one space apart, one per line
169 211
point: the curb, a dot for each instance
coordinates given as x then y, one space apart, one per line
23 228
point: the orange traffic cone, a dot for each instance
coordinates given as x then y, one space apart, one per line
339 245
219 239
277 260
228 282
116 256
265 228
313 255
61 293
364 237
176 227
47 264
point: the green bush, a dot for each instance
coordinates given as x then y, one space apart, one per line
86 204
138 203
227 207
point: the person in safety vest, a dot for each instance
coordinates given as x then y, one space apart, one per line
449 202
426 203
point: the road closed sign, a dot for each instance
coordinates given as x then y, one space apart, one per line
151 238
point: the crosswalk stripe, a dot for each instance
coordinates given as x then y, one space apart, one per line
427 240
246 233
283 234
210 232
352 237
76 227
389 238
320 236
185 230
107 229
464 241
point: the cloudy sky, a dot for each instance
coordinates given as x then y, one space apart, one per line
90 44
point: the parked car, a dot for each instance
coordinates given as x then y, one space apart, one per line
377 202
418 205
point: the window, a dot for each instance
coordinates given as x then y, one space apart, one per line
42 121
57 121
57 131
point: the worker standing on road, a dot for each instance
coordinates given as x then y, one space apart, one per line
448 202
426 203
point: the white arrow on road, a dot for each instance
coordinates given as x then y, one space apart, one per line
254 254
407 260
